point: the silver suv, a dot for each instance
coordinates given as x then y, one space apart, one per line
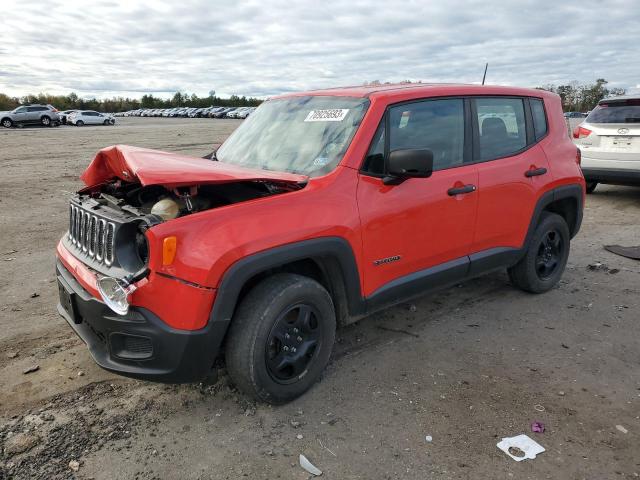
44 115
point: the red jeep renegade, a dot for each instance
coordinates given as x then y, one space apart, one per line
321 208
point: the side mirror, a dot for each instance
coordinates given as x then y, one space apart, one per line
408 163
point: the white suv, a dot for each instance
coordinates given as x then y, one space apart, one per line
609 141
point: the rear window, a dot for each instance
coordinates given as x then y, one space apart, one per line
620 111
539 118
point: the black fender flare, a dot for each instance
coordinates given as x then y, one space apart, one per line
243 270
574 192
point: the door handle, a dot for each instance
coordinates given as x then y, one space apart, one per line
461 190
534 172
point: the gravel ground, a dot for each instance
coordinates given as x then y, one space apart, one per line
466 366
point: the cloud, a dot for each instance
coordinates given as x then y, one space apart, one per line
268 47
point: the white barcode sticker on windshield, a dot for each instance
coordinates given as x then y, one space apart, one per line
332 115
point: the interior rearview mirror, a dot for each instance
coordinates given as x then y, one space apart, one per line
408 163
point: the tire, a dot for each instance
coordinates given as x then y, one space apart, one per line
45 121
591 186
546 258
279 316
106 123
7 123
79 123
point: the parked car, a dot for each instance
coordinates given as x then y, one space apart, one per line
90 117
245 113
609 139
63 116
222 113
45 115
574 115
171 261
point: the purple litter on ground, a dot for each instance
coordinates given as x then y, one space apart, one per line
537 427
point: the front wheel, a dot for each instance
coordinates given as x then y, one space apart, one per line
281 338
7 123
546 257
79 123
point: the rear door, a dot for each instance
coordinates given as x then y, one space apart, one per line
34 113
422 222
512 169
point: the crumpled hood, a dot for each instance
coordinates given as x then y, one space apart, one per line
155 167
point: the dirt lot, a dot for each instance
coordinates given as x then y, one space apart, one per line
466 366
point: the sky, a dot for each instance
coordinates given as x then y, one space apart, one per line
267 47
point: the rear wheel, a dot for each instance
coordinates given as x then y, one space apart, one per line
79 123
591 186
546 256
106 122
281 338
7 123
45 121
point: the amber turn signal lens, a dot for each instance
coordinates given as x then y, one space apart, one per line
169 247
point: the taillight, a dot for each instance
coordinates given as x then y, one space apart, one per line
578 156
581 132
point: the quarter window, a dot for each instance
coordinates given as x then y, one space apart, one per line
437 125
539 118
502 127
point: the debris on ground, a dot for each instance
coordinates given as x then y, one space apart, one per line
520 447
31 369
20 443
299 436
309 467
627 252
620 428
74 465
429 438
598 266
12 354
537 427
538 408
35 295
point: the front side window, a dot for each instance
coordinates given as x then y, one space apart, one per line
502 127
436 125
20 110
306 135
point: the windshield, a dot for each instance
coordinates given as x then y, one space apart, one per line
305 135
625 111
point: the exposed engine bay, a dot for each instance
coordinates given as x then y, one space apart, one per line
169 203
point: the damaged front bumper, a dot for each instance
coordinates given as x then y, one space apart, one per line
139 344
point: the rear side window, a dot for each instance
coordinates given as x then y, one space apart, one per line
539 118
502 127
437 125
36 109
617 111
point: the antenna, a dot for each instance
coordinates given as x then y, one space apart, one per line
485 72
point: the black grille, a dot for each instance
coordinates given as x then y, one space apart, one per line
92 235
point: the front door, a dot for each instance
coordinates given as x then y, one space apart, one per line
422 225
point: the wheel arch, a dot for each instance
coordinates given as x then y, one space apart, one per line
328 260
566 201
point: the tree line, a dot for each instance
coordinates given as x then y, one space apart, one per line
121 104
577 97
